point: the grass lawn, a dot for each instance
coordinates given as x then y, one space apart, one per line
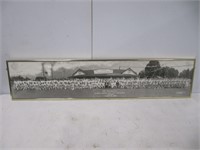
101 93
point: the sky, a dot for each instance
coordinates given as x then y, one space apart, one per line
34 68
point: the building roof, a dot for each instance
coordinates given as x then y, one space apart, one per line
80 73
86 72
118 71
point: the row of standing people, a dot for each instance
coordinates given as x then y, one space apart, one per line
101 83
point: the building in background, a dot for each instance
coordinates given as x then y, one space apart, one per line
105 73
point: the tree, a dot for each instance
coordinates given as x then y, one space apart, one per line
142 74
187 73
168 72
152 69
60 73
19 78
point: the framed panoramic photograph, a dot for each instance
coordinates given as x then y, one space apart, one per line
122 78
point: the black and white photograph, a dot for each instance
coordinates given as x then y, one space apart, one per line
136 78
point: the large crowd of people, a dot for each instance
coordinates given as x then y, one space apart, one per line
96 83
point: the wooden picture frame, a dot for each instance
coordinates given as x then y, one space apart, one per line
110 78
